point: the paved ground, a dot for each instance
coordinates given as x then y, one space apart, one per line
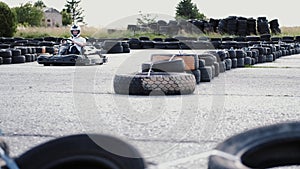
42 103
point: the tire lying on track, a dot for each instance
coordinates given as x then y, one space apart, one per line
164 66
81 152
157 83
264 147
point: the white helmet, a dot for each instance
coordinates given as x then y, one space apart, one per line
75 28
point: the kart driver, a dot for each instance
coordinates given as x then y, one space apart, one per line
77 40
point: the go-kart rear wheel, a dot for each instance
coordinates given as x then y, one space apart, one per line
46 64
82 152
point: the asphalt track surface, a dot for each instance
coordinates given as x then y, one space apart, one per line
43 103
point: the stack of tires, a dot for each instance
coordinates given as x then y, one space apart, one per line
191 62
240 55
251 23
5 56
274 26
242 27
214 23
261 53
232 56
263 25
208 66
232 24
222 27
17 56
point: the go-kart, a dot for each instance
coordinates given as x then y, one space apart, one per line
89 56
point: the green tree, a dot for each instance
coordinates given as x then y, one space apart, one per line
66 17
8 23
39 4
29 15
76 12
188 10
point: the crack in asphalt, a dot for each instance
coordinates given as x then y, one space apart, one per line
27 135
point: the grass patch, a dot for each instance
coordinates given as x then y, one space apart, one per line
87 31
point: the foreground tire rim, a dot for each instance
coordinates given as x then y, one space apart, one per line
264 147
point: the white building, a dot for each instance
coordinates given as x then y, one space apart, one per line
52 17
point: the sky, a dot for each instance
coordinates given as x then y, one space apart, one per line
119 13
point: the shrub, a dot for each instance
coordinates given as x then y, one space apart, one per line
8 23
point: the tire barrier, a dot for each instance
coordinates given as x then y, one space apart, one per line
269 48
232 25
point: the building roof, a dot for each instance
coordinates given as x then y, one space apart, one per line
51 10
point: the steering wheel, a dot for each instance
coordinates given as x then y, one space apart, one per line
67 40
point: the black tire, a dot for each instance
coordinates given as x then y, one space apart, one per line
234 63
147 44
209 59
159 45
201 63
80 151
228 64
240 53
206 74
213 69
28 58
253 62
222 67
157 83
50 49
126 50
24 50
7 60
197 75
5 54
247 61
16 52
164 66
240 62
270 58
1 60
18 59
232 53
217 69
264 147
